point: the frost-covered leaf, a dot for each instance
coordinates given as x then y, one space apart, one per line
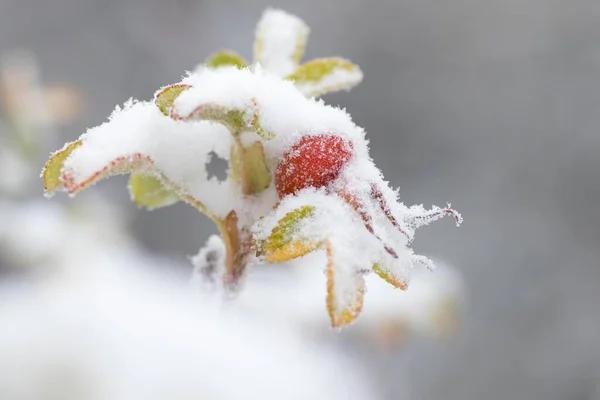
325 75
287 239
391 278
250 168
226 58
288 226
148 191
417 216
291 250
51 175
279 42
125 164
165 97
345 290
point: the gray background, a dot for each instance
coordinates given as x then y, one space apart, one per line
493 105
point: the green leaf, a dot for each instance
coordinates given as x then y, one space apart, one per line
284 243
390 277
250 168
165 97
325 75
225 58
148 191
52 170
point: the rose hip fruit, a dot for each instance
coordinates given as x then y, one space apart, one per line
313 161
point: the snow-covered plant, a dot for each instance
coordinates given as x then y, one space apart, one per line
300 175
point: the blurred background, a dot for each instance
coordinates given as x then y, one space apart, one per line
491 105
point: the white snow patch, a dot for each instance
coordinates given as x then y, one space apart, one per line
180 152
130 336
280 40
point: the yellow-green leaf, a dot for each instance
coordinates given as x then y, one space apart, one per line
291 250
148 191
344 305
52 170
325 75
166 96
284 242
226 58
391 278
249 168
288 226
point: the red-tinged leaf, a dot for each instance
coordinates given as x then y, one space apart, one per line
51 174
166 96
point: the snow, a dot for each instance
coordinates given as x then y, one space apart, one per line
354 247
280 41
209 265
124 334
138 138
149 142
281 108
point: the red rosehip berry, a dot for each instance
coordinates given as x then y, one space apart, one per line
313 161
